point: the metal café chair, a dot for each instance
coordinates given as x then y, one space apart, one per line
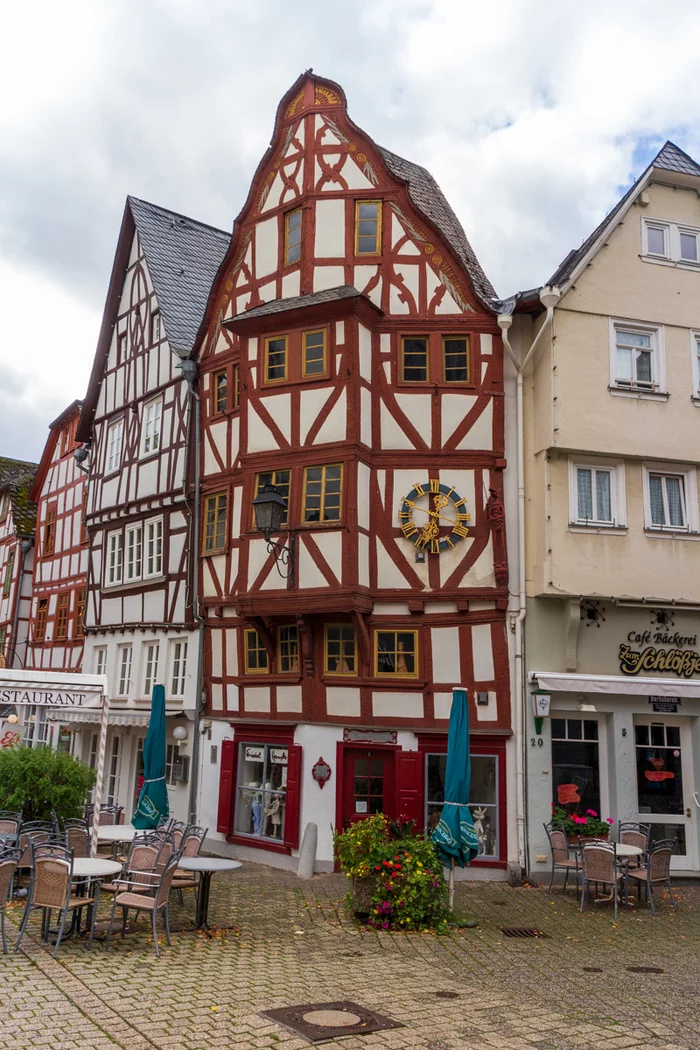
10 822
633 834
559 848
191 847
9 858
77 835
153 903
657 869
599 864
50 889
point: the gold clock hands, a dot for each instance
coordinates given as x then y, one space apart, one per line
431 513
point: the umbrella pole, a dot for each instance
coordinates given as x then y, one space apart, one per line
452 884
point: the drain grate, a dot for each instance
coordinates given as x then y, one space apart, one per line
318 1022
644 969
591 969
446 995
522 932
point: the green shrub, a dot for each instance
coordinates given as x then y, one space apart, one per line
38 780
360 846
410 892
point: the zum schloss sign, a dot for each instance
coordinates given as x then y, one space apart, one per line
682 662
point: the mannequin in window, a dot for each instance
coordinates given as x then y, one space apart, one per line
401 667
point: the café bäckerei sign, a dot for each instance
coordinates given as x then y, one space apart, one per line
665 652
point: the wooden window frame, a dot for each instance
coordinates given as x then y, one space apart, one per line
236 370
287 217
122 344
118 561
416 655
49 546
281 655
9 572
80 599
207 499
456 382
256 491
401 376
258 648
60 633
152 675
152 523
326 668
136 531
156 436
380 216
266 357
332 522
42 613
156 318
128 647
314 375
110 428
177 677
217 408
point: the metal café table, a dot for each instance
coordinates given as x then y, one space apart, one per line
206 866
116 833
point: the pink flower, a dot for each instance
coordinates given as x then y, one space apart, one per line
591 813
385 925
609 820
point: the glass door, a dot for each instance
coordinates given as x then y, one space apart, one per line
664 793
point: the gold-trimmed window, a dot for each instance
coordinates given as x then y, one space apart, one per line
292 237
415 367
287 648
256 661
215 522
79 614
323 489
368 227
340 649
455 358
278 478
221 390
42 611
396 654
61 631
276 359
236 386
314 353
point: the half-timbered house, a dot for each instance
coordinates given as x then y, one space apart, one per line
17 524
350 358
139 621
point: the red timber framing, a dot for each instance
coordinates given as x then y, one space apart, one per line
56 637
17 524
400 384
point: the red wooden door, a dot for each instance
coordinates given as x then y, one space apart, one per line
368 783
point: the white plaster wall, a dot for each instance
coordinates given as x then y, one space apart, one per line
330 229
266 247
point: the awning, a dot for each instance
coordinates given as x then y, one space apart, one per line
613 684
115 718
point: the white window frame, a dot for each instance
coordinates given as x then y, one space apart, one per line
690 496
656 225
151 427
690 231
172 753
114 446
618 500
695 363
672 232
114 562
178 667
153 548
99 655
657 387
151 656
156 319
124 661
133 551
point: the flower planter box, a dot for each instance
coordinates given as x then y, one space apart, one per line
574 840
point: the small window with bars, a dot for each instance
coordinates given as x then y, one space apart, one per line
256 660
415 366
215 522
314 353
276 359
287 648
341 649
455 359
368 227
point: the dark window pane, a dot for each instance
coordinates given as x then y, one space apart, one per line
659 780
573 726
658 736
673 736
436 777
590 729
376 767
376 786
558 729
361 767
575 775
360 786
641 734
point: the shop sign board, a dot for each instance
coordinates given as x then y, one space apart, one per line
663 651
667 705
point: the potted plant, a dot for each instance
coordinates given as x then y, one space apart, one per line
586 827
358 850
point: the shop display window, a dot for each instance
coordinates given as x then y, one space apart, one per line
576 764
483 798
261 791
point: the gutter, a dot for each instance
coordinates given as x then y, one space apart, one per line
549 297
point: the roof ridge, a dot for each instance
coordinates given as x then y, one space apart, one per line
177 214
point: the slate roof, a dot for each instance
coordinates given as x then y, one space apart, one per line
183 258
431 201
298 302
669 158
17 478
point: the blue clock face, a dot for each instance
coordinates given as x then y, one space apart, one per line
434 517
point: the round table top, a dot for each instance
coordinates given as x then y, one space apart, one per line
208 864
116 833
624 849
84 866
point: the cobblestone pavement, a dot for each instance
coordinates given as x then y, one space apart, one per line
289 942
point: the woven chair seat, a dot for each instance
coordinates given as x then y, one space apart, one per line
640 873
136 900
73 902
185 883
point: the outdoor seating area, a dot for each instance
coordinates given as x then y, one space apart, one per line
47 866
612 864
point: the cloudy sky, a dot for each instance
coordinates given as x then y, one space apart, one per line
532 114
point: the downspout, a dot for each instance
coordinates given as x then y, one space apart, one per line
189 371
548 297
25 547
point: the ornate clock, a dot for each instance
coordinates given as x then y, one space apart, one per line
433 516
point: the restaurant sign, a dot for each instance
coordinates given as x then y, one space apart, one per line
643 653
49 697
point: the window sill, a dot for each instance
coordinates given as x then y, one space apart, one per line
639 395
268 678
671 534
258 843
148 455
110 473
695 398
678 264
598 529
132 585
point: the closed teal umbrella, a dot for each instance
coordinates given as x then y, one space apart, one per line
152 807
455 836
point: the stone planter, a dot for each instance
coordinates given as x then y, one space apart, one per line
362 889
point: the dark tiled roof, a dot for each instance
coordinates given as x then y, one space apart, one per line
183 257
278 306
17 478
431 201
669 158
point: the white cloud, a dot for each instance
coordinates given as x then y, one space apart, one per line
532 114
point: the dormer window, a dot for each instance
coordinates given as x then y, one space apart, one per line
292 237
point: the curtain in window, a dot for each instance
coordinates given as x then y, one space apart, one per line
675 501
624 364
656 501
585 494
602 486
644 366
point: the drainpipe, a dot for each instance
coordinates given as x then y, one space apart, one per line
549 297
190 372
24 547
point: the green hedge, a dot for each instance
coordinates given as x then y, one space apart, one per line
38 780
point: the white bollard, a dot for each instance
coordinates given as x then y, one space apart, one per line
307 853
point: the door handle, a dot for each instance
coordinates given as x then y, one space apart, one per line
697 800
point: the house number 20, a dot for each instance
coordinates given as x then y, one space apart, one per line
536 740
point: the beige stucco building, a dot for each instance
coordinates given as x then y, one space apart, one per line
610 433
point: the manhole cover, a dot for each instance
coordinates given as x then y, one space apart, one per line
447 995
591 969
644 969
317 1022
522 932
